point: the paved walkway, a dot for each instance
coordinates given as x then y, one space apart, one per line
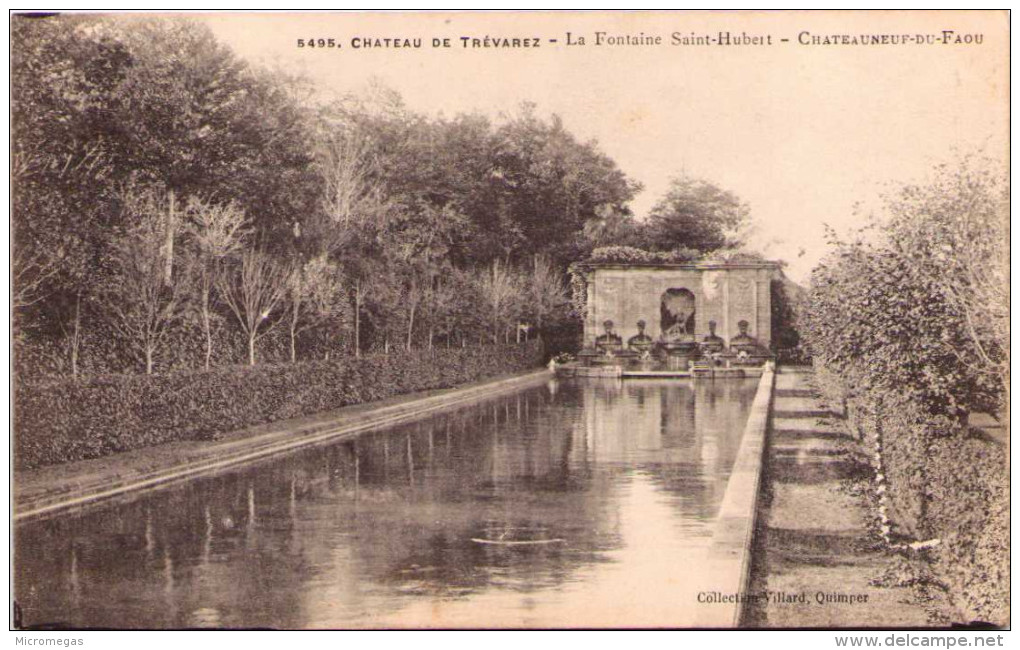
59 488
812 543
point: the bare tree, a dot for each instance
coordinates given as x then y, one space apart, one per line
359 302
546 291
142 305
252 292
315 297
344 165
217 232
417 280
439 302
500 288
30 271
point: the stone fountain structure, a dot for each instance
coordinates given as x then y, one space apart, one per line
679 318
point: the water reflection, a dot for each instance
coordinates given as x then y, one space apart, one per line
518 511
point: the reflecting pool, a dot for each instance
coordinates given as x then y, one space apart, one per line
577 503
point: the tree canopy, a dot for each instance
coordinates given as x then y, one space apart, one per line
695 214
404 210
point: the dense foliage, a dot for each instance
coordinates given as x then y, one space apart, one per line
104 415
168 196
922 307
909 330
695 214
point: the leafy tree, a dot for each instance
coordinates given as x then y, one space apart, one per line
100 100
695 214
881 321
611 226
64 80
955 231
193 116
551 184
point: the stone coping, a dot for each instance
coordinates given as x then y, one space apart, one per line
691 266
57 489
729 553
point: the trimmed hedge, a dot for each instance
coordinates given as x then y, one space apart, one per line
61 420
944 482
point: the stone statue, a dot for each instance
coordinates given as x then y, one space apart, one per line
610 340
743 340
713 342
640 342
676 330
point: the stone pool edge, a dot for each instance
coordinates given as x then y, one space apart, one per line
729 553
72 495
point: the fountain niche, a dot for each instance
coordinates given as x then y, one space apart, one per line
677 341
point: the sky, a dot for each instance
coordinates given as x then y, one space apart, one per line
802 132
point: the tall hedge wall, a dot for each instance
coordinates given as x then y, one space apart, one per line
61 420
946 482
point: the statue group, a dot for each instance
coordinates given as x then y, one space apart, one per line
677 340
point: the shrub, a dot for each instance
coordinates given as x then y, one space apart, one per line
61 420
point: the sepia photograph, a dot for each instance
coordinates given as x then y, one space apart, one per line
512 320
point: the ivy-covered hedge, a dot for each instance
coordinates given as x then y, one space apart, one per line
944 481
61 420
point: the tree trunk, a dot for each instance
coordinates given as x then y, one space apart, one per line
357 318
169 268
410 327
76 335
207 326
208 344
293 334
251 349
148 360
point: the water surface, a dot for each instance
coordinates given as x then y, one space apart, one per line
577 503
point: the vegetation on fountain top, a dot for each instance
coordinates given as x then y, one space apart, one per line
633 255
